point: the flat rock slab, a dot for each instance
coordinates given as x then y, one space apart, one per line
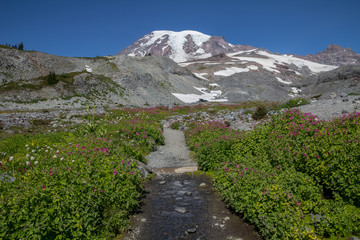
170 212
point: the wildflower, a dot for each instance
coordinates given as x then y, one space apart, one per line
298 203
43 187
36 162
27 163
94 189
54 156
51 173
131 173
11 158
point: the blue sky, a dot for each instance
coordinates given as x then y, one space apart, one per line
104 27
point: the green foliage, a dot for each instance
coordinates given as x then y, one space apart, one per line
70 186
51 79
294 177
260 113
293 103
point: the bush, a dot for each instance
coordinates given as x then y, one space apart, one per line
260 113
294 177
51 79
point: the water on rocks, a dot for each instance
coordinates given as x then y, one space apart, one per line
182 205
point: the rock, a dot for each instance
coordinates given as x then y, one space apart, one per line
343 95
333 95
344 112
202 185
6 178
345 100
188 193
191 230
226 218
181 210
162 182
354 238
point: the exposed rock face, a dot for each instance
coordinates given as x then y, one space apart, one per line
102 81
335 55
345 79
181 46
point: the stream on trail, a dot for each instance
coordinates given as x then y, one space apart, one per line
181 205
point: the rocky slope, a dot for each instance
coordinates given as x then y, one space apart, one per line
102 81
334 55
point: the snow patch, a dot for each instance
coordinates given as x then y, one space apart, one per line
230 71
253 67
88 68
282 81
294 92
192 98
214 85
201 75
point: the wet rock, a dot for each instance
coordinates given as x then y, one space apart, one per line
162 182
181 210
191 230
202 185
188 193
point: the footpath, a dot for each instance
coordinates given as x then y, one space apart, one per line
181 205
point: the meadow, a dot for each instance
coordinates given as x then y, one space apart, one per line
292 176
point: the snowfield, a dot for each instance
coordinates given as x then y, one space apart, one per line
193 98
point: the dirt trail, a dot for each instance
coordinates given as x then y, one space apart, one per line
181 205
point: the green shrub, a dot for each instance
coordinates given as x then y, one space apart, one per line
51 79
260 113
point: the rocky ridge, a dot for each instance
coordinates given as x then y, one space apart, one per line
334 55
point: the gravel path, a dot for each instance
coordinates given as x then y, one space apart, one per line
174 154
178 205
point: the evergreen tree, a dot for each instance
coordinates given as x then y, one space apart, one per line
21 46
51 79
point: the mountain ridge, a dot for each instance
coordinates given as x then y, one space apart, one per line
190 45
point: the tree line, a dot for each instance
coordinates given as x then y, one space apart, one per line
19 46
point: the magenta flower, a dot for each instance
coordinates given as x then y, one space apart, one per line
115 173
94 189
131 173
51 173
43 187
298 203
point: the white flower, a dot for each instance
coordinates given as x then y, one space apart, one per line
27 155
33 151
36 162
27 163
54 156
26 145
32 158
61 158
46 150
11 158
73 161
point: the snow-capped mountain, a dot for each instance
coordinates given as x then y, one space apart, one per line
181 46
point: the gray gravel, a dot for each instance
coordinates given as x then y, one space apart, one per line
328 109
173 154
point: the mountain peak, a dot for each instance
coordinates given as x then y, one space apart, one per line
335 55
180 46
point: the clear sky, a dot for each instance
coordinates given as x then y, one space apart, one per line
104 27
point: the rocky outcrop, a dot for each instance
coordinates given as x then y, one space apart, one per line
335 55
